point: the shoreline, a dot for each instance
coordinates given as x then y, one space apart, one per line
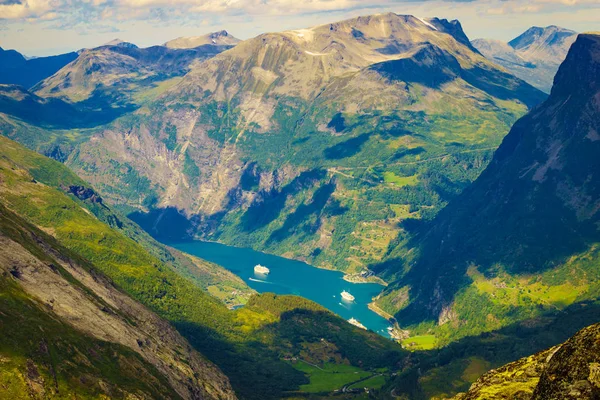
375 308
352 278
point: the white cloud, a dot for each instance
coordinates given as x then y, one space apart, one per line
27 9
96 10
51 23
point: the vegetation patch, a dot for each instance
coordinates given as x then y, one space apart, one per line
400 181
327 377
423 342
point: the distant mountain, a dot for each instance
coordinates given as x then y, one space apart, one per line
16 69
533 56
121 76
120 43
221 38
523 240
566 371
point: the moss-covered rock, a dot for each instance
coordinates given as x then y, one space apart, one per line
568 371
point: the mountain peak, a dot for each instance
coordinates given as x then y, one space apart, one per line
219 38
120 43
534 55
219 34
578 74
537 36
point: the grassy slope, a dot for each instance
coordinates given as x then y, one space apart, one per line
246 343
60 362
42 356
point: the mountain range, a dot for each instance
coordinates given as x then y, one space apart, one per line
297 168
533 56
389 147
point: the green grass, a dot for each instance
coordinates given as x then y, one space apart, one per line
329 377
39 351
374 382
152 93
454 377
400 181
402 211
424 342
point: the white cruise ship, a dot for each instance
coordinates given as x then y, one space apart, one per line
261 269
355 322
347 296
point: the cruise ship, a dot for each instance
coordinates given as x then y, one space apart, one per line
347 296
261 269
355 322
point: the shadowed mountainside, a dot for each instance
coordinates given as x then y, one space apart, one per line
17 70
524 236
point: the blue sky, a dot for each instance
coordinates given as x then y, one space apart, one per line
43 27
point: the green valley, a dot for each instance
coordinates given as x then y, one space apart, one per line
250 343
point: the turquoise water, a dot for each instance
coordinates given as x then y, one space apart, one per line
294 277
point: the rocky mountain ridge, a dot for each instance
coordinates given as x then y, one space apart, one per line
17 70
567 371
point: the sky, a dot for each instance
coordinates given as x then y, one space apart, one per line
46 27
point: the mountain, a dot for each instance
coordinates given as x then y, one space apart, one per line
16 69
121 75
533 56
566 371
104 290
17 103
67 328
120 43
521 241
315 143
221 38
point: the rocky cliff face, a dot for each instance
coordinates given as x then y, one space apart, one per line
567 371
76 295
